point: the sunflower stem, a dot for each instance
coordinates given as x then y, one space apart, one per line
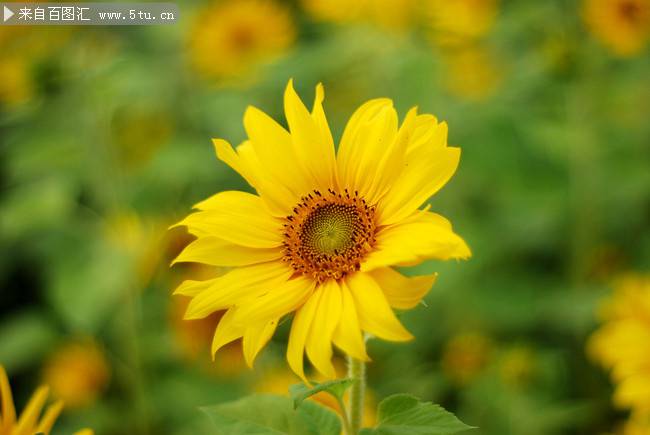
357 372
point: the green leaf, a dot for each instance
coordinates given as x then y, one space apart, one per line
26 337
268 414
300 392
405 414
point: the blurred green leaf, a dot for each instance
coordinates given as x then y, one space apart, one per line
337 387
405 414
25 338
267 414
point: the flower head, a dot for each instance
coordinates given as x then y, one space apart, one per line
461 22
77 373
621 25
321 237
231 37
392 15
29 422
621 343
465 357
472 73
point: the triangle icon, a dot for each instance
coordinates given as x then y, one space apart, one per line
8 13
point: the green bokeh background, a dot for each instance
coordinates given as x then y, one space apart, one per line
113 145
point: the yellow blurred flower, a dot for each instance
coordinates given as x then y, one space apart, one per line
621 343
636 426
320 238
77 373
392 14
337 11
278 381
465 356
138 239
516 366
21 48
387 14
30 422
194 337
472 73
138 132
460 22
232 37
621 25
16 85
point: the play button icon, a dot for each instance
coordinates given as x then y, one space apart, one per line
8 13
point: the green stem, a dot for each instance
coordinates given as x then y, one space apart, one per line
357 372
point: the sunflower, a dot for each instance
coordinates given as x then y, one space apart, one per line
460 22
621 25
321 237
473 73
77 373
393 15
28 423
621 343
230 38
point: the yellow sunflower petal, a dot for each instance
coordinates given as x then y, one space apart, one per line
274 147
50 416
240 219
84 432
8 408
218 252
318 114
227 331
402 292
347 335
375 315
299 332
312 149
30 415
255 338
326 318
427 235
368 137
237 285
246 162
192 288
391 164
428 166
279 301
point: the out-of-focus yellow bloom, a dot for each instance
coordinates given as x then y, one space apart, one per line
621 343
636 426
337 11
16 85
472 73
138 133
392 14
465 356
21 48
459 22
230 38
278 382
77 373
387 14
516 366
30 421
621 25
194 337
138 239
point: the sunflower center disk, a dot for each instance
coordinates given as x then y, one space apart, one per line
328 235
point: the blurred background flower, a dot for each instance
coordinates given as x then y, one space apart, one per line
621 25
